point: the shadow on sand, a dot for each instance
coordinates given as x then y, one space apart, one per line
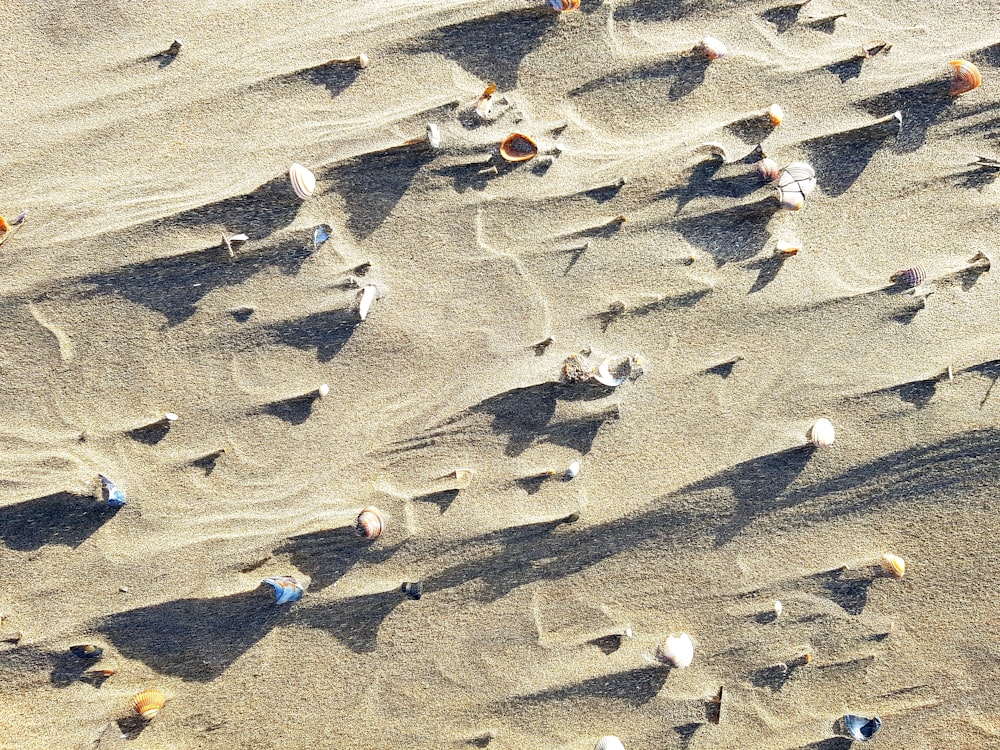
60 518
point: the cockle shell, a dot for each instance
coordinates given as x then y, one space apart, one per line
609 742
768 169
303 181
775 114
369 523
517 147
965 77
795 182
147 703
894 564
677 650
821 434
861 728
286 589
87 651
114 497
712 48
562 5
909 277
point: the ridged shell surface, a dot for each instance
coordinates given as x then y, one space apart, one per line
795 182
518 147
822 434
966 77
894 564
609 742
147 703
303 181
369 523
909 277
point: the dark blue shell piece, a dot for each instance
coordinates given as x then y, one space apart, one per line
87 651
114 497
286 589
861 728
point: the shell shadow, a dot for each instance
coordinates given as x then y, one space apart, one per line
60 518
751 129
922 105
68 669
730 234
783 17
150 434
335 77
174 285
635 687
670 10
991 370
441 498
294 410
842 157
685 71
267 208
608 644
686 732
848 589
326 556
491 47
767 270
354 621
327 332
194 639
846 69
702 182
833 743
774 677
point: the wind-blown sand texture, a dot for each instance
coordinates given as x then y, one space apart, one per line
698 503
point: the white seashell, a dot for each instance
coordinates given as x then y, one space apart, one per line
678 650
323 390
605 377
170 417
573 470
795 182
433 135
303 181
778 608
712 48
368 295
775 114
821 434
609 742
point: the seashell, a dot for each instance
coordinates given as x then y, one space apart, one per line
517 147
573 471
966 77
462 477
147 703
87 651
894 564
861 728
678 651
323 390
114 497
19 218
785 249
909 277
433 135
563 5
622 371
303 181
795 182
369 293
286 589
775 114
369 523
712 48
609 742
484 106
821 434
768 169
413 590
321 234
4 226
778 608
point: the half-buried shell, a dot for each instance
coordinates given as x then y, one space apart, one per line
147 703
821 434
909 277
518 147
286 589
965 77
795 182
303 181
369 523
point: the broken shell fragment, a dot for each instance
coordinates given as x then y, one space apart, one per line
609 742
778 609
303 181
894 564
369 523
369 293
909 277
147 703
517 147
233 242
965 77
286 589
413 590
768 169
678 651
785 249
321 234
775 114
622 371
821 434
484 106
433 135
462 478
795 182
87 651
861 728
110 493
564 5
712 48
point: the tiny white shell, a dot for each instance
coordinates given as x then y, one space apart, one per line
368 295
323 390
605 377
821 434
170 417
778 608
433 135
712 48
775 114
609 742
678 650
573 470
303 181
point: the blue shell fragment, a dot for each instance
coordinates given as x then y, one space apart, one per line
321 234
861 728
87 651
286 589
114 497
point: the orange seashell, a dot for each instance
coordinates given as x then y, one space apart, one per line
147 703
563 5
4 226
518 147
966 77
894 564
369 523
775 114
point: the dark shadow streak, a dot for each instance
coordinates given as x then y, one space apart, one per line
990 370
442 498
354 621
685 71
783 17
335 77
671 10
607 643
327 332
846 69
731 234
841 157
922 105
60 518
294 410
326 556
834 743
150 434
636 687
767 270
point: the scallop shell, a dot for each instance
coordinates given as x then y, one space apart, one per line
369 523
563 5
768 169
894 564
303 181
609 742
87 651
775 114
861 728
966 77
286 589
909 277
795 182
712 48
114 497
821 434
518 147
678 651
147 703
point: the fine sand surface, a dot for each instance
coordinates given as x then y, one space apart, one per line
698 504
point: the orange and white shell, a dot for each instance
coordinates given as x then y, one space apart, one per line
518 147
563 5
712 48
894 564
147 703
821 434
768 169
965 77
369 523
775 114
303 181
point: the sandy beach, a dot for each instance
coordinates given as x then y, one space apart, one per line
642 234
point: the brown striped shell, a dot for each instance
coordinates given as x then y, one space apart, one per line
965 77
369 523
147 703
562 5
909 277
518 147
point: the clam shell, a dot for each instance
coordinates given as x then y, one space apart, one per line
622 370
517 147
965 77
87 651
114 497
894 564
484 107
303 181
775 114
286 589
768 169
712 48
909 277
821 434
677 650
609 742
861 728
563 5
795 182
147 703
369 523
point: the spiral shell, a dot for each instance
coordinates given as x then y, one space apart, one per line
286 589
303 181
147 703
821 434
965 77
795 182
677 650
369 523
768 169
562 5
518 147
609 742
894 564
775 114
909 277
712 48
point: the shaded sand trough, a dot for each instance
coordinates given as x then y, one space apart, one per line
698 504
